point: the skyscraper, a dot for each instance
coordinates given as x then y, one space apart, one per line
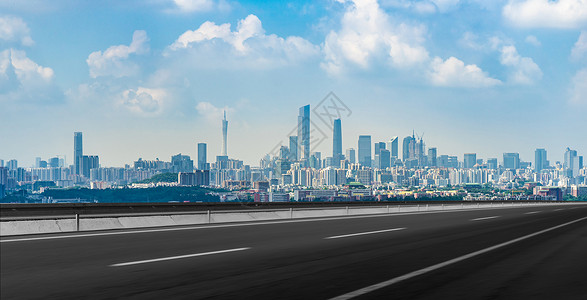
224 134
540 162
469 160
365 150
350 155
511 161
409 148
304 132
78 153
293 148
337 142
393 147
202 156
432 157
571 163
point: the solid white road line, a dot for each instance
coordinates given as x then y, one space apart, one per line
389 282
176 257
531 212
484 218
559 209
363 233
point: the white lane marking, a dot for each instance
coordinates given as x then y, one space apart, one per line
559 209
484 218
363 233
177 257
173 228
395 280
531 212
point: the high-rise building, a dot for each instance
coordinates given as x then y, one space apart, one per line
293 148
304 132
89 162
540 162
384 159
571 163
492 163
393 146
12 164
224 135
432 157
511 161
78 153
202 156
337 142
409 147
182 163
378 147
469 160
350 155
365 150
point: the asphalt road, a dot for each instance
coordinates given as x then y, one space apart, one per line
511 253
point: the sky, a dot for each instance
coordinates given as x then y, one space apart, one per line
151 78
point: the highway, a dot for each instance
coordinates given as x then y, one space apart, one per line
535 252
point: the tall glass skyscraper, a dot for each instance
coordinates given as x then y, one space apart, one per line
293 148
224 135
469 160
511 161
409 148
393 146
337 142
350 155
365 150
304 132
540 162
202 156
78 152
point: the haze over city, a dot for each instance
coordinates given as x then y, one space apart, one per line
152 79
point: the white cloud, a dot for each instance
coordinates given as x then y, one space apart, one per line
579 87
367 32
23 79
532 40
524 69
194 5
444 5
13 29
113 62
546 13
454 73
144 101
248 45
212 113
580 48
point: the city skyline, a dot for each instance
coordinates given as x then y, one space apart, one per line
143 84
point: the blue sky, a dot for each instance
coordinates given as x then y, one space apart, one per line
150 78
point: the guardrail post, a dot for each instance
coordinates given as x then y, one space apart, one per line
426 207
291 212
209 217
442 208
398 208
76 222
388 209
347 210
418 207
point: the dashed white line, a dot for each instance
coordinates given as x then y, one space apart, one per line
363 233
484 218
389 282
531 212
176 257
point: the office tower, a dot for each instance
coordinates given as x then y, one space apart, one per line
293 148
202 156
469 160
182 163
571 163
12 164
54 162
511 161
384 159
365 150
224 134
337 142
37 162
392 146
540 162
492 163
89 162
419 152
409 148
378 147
77 153
350 155
304 132
432 157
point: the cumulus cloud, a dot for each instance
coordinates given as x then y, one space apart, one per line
580 48
367 32
454 73
579 87
13 29
523 69
194 5
212 113
114 61
247 45
144 101
532 40
546 13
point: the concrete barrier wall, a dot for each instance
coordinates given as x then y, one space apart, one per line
89 223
